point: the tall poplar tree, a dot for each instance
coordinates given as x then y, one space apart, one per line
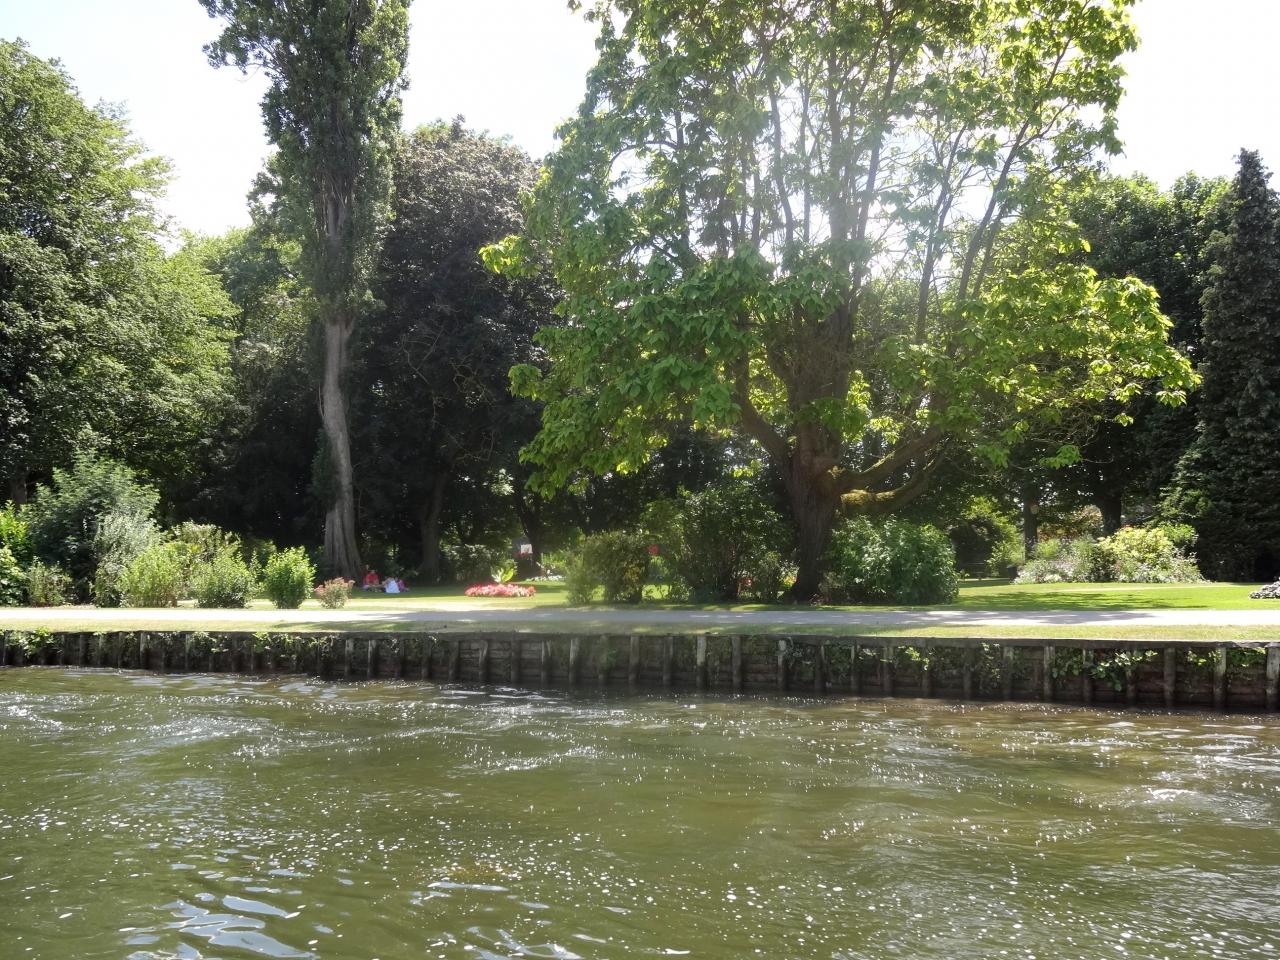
333 111
1230 479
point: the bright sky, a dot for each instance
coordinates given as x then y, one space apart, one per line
1202 86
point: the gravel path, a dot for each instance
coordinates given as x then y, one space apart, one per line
622 620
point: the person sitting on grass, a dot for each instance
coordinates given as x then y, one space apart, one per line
371 580
400 583
391 585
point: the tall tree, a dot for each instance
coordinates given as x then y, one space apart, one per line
436 355
808 222
105 341
332 110
267 427
1229 478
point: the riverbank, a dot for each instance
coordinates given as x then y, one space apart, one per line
1241 674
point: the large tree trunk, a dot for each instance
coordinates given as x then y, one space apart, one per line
1030 519
341 547
429 528
530 520
1111 505
813 508
18 487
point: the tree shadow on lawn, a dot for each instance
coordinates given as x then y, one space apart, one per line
1099 598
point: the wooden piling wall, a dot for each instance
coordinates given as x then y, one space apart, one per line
1244 675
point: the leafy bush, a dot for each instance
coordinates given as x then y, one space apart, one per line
334 593
1144 555
986 540
1062 561
14 533
13 582
890 562
47 585
1130 555
62 520
117 541
157 577
287 578
223 581
616 562
472 563
718 537
770 577
204 541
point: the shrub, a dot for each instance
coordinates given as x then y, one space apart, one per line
986 540
117 541
334 593
287 578
1062 561
500 590
47 585
718 537
157 577
1144 555
891 562
204 541
62 520
14 533
13 582
472 563
616 562
770 577
223 581
1130 555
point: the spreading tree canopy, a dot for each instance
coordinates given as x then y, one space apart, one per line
105 340
436 355
333 111
836 229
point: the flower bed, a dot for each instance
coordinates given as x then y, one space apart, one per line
499 590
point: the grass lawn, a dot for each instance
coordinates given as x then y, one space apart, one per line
1005 595
976 597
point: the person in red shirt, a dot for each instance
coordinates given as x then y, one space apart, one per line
371 580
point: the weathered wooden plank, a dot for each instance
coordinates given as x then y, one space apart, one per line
1006 671
784 671
482 669
668 661
573 661
633 661
1047 673
1273 678
455 660
1086 676
966 673
888 668
1220 678
1170 679
735 666
700 661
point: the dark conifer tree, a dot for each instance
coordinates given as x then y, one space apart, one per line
1229 481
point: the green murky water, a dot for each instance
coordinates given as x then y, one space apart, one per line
197 817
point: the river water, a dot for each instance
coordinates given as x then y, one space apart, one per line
144 816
